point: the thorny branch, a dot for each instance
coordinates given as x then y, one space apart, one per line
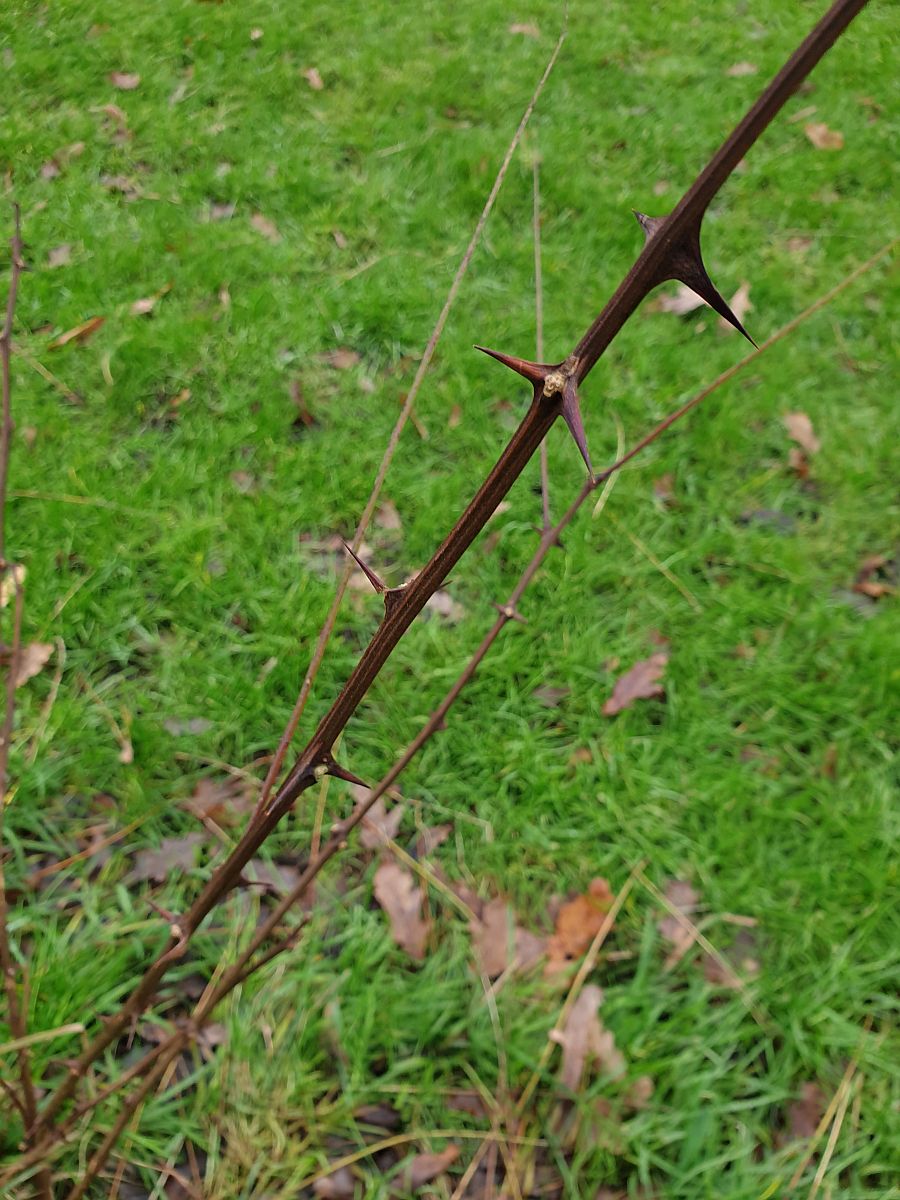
245 964
670 251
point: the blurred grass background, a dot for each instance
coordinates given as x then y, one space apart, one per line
167 520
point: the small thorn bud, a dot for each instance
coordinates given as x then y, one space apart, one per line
336 829
535 373
511 614
648 224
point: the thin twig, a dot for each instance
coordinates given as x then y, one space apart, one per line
394 439
832 1140
6 431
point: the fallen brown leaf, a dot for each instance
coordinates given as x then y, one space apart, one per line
577 924
387 516
430 838
79 334
401 898
445 606
550 697
179 726
800 429
499 943
313 78
804 1114
822 137
125 81
380 825
664 489
426 1167
525 29
33 657
224 801
586 1041
738 69
682 897
60 256
266 227
640 682
339 1185
341 359
146 305
172 854
740 305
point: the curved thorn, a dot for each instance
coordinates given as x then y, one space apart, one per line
535 373
376 581
571 413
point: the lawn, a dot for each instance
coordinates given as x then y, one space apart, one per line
290 188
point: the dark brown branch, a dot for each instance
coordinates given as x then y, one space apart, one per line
555 393
246 965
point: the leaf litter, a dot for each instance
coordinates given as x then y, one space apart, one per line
640 682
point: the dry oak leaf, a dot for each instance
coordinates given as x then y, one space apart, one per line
577 924
313 78
426 1167
800 429
380 826
266 227
173 854
680 936
584 1040
499 943
146 304
224 801
339 1185
125 81
32 659
740 305
79 334
400 896
822 137
640 682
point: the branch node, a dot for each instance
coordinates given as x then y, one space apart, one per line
511 613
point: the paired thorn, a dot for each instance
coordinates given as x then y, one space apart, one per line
685 263
553 379
511 614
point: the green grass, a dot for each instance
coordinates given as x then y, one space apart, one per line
173 588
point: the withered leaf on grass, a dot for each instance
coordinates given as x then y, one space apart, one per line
79 334
577 924
800 429
60 256
426 1167
387 516
822 137
400 896
225 801
525 28
640 682
682 301
177 726
313 78
125 81
585 1041
339 1185
739 69
380 825
172 854
140 308
804 1114
266 227
499 943
877 576
33 657
445 606
341 359
678 934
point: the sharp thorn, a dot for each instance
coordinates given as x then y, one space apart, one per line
694 274
535 373
571 413
334 768
376 581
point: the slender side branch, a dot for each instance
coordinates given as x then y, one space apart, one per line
555 393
